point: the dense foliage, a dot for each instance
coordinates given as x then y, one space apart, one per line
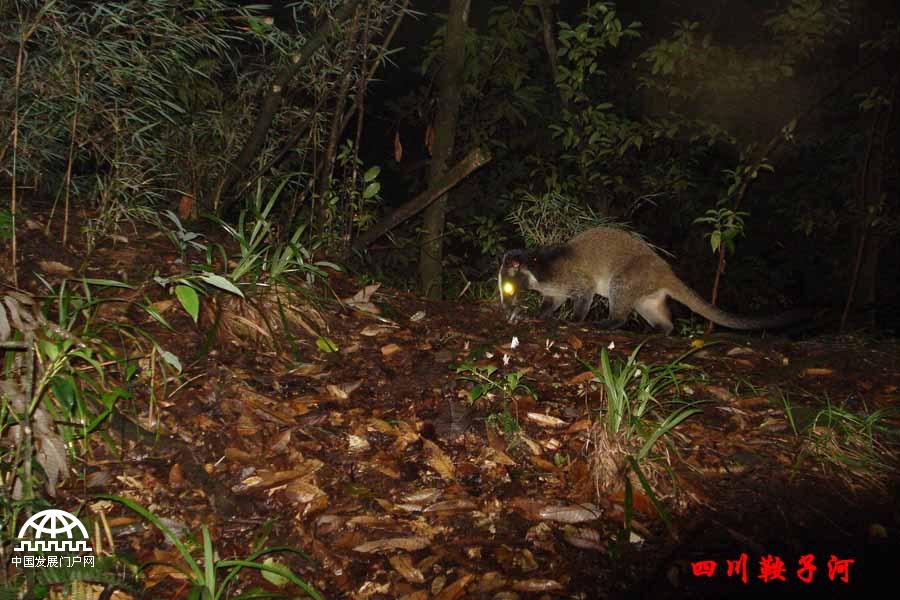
755 133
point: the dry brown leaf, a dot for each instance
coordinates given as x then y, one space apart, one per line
301 491
53 267
239 455
498 456
740 351
187 208
161 306
530 508
532 445
639 500
489 582
390 349
545 420
456 589
381 426
267 479
818 371
357 443
375 330
424 496
409 544
362 300
584 537
543 464
538 585
752 401
265 405
429 139
438 460
281 441
403 564
720 393
398 147
176 477
580 378
575 342
575 513
459 504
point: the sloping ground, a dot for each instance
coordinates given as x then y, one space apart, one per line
372 460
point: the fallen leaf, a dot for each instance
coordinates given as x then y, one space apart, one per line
576 513
343 391
579 425
161 306
53 267
362 299
410 544
580 378
398 147
403 564
302 492
584 537
456 589
374 330
489 582
639 500
424 496
460 504
543 464
357 444
740 351
438 460
537 585
818 372
266 479
390 349
546 420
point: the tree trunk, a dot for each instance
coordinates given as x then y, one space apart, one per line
548 19
863 287
449 90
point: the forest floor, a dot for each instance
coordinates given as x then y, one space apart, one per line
352 437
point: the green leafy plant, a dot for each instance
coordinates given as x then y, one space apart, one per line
505 422
487 379
726 225
633 390
189 287
181 238
61 382
262 256
631 425
5 225
211 577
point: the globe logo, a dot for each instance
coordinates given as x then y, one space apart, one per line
48 525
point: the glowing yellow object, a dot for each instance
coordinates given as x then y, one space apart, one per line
509 288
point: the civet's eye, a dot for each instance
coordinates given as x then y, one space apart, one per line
509 288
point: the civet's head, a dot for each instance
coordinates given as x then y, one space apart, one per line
512 280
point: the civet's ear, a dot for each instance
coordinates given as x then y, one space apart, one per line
512 260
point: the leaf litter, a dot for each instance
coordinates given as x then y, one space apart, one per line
372 460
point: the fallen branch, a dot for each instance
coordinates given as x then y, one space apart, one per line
475 159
